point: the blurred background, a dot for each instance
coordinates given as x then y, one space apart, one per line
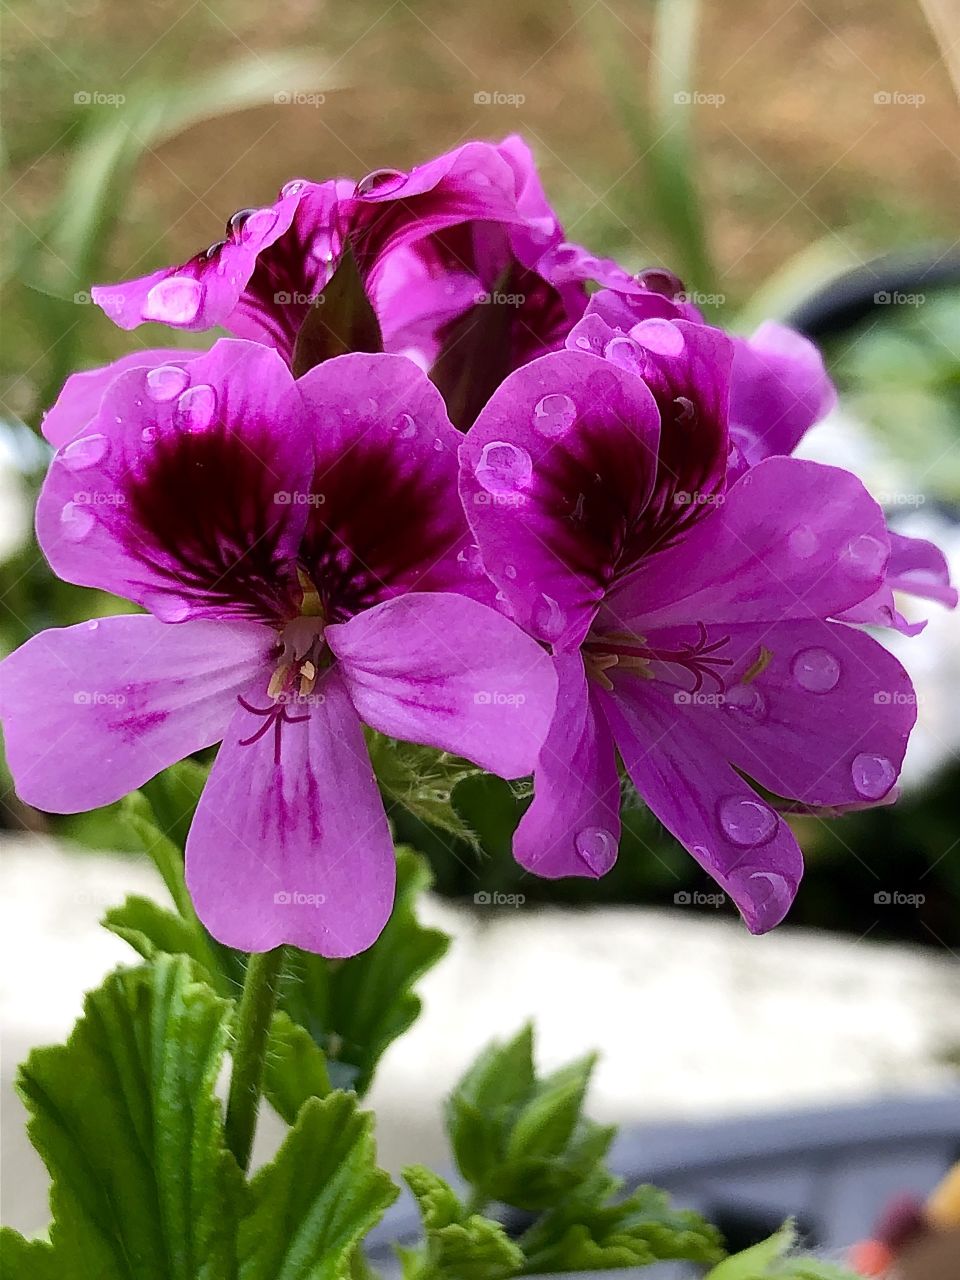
762 150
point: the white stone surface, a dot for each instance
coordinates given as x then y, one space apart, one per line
693 1017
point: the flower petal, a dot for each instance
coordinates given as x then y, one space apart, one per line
183 496
734 835
386 517
92 712
572 827
920 568
554 476
79 400
297 852
451 673
792 539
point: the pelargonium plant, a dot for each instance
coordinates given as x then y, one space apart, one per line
455 492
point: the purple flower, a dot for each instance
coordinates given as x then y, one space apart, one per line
779 388
304 556
470 228
693 622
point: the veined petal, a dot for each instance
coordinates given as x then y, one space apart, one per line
385 516
296 851
919 568
92 712
792 539
572 827
185 495
78 403
451 673
554 477
734 834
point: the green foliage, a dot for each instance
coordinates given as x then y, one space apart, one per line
421 781
460 1245
355 1008
590 1230
315 1201
775 1259
129 1127
520 1139
340 320
296 1069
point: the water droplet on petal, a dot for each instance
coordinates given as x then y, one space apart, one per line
470 557
746 702
816 670
504 467
85 452
865 556
548 618
321 247
405 426
93 624
293 187
597 848
686 412
658 280
554 414
803 542
196 408
380 183
247 224
175 300
148 435
510 571
873 776
166 382
747 822
438 445
564 255
76 521
504 605
166 608
764 897
625 354
660 336
583 343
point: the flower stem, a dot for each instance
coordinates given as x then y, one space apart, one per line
259 999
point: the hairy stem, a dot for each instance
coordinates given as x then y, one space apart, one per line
257 1004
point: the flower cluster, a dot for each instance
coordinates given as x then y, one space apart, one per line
434 486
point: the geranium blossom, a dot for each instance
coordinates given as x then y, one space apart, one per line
693 622
304 556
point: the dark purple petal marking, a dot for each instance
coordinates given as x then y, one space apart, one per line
275 717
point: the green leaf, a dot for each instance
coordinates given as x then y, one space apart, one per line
474 356
296 1069
27 1259
774 1259
591 1231
152 930
459 1245
340 320
127 1122
422 780
318 1197
354 1009
520 1139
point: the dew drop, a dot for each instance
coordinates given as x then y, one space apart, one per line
175 300
763 896
76 521
803 542
470 557
321 247
816 670
85 452
405 426
583 343
504 467
659 336
93 625
564 255
510 571
597 848
148 435
746 822
380 183
625 354
746 703
554 414
293 187
873 776
658 280
865 556
165 607
166 382
686 412
548 618
248 224
196 407
438 445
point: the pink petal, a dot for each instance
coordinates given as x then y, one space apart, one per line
93 711
451 673
297 852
